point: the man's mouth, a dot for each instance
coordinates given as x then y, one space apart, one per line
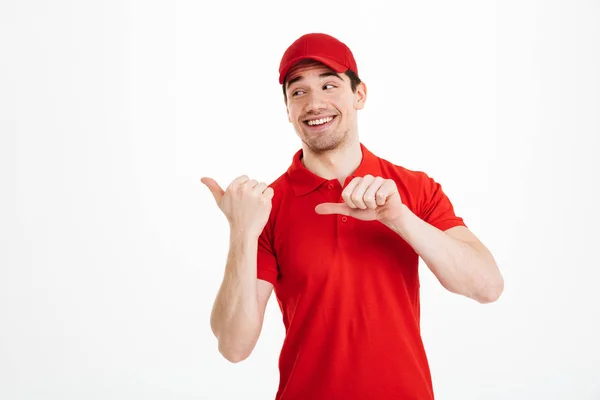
320 122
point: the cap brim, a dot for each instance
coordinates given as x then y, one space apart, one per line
337 67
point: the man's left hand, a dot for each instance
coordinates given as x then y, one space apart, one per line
368 198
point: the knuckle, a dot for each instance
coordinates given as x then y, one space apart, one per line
241 179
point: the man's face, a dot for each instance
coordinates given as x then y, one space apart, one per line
322 106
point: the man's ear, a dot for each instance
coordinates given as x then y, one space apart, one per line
287 109
361 96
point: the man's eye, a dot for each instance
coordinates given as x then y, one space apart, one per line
297 92
328 86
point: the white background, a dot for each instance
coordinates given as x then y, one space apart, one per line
112 251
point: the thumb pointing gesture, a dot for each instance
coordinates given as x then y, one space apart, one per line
333 208
215 189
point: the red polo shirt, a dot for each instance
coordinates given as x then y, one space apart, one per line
348 289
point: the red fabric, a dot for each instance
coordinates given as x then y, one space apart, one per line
320 47
348 289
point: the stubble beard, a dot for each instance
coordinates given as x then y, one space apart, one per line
325 143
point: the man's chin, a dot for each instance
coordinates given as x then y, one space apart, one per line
322 144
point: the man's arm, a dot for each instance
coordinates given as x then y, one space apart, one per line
458 259
237 315
238 312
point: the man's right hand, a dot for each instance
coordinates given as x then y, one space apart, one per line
246 203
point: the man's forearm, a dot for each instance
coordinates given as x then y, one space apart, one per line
460 267
235 317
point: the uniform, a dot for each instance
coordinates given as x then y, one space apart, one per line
348 289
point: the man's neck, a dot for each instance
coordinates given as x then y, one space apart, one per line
335 164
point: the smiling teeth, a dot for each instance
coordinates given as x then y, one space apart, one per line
319 121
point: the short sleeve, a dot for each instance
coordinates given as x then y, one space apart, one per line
434 206
266 262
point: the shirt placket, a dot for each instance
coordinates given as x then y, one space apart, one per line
334 195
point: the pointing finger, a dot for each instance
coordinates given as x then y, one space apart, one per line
333 208
214 188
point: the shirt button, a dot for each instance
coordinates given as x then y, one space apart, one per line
344 218
330 186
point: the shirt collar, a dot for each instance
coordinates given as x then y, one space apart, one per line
304 181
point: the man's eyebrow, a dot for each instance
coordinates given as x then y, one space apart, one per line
323 75
330 73
296 79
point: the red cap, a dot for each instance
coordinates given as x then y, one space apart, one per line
319 47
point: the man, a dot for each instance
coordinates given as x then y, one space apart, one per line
338 237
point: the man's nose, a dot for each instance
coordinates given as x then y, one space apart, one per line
315 103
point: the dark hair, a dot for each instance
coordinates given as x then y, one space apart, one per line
354 82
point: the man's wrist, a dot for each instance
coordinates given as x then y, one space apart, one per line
399 224
243 237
